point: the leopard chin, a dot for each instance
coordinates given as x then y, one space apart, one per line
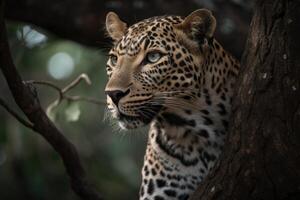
130 122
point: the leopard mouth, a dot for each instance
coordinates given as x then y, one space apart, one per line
124 117
143 116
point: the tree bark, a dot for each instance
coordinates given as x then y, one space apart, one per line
262 159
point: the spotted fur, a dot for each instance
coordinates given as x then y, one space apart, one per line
185 96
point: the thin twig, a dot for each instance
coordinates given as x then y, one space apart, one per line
47 83
15 114
86 99
62 92
76 82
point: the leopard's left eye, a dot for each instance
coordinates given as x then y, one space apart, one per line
113 59
153 57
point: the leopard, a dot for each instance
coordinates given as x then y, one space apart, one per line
170 74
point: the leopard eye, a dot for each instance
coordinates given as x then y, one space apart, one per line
113 59
153 57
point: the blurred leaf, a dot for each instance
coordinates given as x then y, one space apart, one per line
72 112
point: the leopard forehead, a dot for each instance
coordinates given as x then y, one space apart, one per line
154 32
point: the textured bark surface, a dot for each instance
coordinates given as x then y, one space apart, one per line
262 159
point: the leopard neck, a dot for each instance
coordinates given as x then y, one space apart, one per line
183 146
184 133
220 70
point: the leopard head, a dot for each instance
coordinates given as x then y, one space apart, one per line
154 61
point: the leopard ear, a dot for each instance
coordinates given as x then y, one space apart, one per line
200 23
114 26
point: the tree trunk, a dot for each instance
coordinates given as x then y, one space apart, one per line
262 157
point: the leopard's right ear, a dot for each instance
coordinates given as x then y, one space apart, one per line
115 27
199 24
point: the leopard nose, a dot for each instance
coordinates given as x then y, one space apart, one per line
116 95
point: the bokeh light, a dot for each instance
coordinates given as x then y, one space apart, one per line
60 65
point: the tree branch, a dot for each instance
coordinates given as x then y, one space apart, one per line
27 100
62 92
76 82
15 114
86 99
47 83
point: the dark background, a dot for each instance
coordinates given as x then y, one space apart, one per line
56 41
